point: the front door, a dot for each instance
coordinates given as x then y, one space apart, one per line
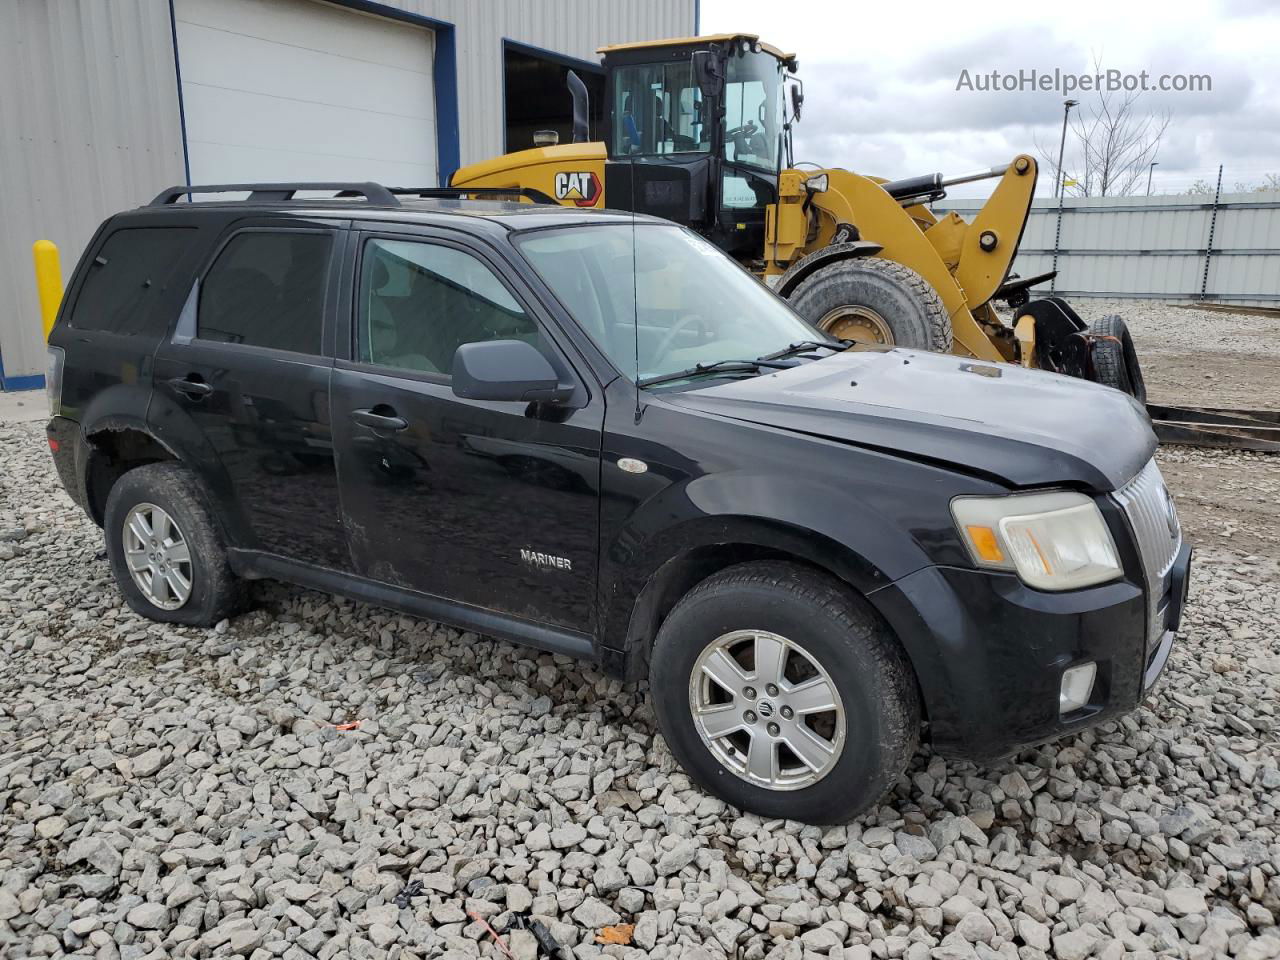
242 388
489 504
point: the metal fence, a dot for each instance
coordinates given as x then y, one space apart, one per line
1224 249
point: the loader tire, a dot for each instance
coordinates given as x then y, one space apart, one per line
1115 361
870 299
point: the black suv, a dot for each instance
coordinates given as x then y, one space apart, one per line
595 434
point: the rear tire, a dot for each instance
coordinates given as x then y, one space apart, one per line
880 299
834 650
1115 360
167 494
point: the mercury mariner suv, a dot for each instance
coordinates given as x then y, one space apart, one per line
595 434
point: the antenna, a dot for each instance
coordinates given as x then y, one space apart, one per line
635 286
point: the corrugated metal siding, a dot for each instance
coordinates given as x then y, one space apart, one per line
89 118
88 126
1154 246
574 28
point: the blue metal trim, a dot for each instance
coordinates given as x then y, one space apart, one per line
34 381
444 74
182 109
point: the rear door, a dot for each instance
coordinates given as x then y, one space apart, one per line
490 504
242 387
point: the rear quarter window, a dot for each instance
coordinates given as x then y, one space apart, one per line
127 278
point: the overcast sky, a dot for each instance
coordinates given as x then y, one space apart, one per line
880 79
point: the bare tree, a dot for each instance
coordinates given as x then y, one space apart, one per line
1110 145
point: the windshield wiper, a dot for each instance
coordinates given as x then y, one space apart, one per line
834 345
719 366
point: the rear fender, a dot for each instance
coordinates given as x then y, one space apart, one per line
170 424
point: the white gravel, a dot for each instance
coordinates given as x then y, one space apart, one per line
178 792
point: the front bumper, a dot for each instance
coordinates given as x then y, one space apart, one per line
989 652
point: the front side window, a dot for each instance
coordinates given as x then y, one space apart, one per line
420 301
663 289
658 110
266 289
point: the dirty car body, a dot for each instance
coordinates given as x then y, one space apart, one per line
576 517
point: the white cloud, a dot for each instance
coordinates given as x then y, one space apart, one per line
880 79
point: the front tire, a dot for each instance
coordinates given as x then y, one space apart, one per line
877 301
783 694
1115 360
165 551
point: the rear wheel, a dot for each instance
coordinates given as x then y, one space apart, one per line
1115 360
165 551
876 301
783 694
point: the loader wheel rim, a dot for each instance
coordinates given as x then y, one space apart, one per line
857 323
768 711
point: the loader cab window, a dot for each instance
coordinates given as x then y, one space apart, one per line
753 111
658 110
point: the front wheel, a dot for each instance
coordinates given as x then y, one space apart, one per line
874 301
783 694
1115 360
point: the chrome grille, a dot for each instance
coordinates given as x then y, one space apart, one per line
1158 535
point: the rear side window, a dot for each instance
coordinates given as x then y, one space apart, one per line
266 289
129 273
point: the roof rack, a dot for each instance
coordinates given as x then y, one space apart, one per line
373 192
529 193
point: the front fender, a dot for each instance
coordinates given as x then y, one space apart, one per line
740 516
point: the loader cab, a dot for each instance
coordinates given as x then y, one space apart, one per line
697 134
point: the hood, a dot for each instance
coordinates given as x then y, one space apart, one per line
1021 427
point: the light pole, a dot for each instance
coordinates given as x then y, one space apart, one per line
1150 170
1067 105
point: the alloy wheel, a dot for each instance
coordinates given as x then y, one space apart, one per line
767 710
158 556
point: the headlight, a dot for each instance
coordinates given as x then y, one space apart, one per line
1054 541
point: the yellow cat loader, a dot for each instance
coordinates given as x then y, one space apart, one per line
700 132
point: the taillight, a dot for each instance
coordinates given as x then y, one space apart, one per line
53 380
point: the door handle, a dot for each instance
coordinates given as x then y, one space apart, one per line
379 421
191 388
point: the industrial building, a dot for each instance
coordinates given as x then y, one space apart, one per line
106 103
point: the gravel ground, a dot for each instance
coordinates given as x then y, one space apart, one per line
179 792
1203 357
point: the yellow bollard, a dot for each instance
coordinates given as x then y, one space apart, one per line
48 281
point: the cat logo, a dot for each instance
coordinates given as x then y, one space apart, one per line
581 186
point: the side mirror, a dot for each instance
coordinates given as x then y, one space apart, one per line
708 73
506 370
797 99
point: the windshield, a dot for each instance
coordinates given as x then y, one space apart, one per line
685 303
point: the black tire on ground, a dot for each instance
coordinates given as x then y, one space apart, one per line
909 306
1115 361
836 627
216 592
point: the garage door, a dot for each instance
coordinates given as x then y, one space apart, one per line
303 90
